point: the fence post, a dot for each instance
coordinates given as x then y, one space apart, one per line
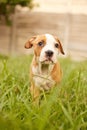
67 26
13 38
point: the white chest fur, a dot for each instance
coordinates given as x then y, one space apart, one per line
42 77
43 82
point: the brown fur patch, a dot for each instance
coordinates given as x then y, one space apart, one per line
34 42
60 45
37 49
56 73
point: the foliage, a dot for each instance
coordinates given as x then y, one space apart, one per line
63 108
7 6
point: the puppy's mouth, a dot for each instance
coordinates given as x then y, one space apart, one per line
47 61
46 66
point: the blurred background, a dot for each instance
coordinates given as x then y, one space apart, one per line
21 19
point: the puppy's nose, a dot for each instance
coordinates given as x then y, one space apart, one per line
49 53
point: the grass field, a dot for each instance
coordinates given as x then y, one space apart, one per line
64 108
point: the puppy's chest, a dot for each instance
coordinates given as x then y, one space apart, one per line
42 80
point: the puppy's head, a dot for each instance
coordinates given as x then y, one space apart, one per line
46 47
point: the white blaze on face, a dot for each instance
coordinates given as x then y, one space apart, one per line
50 45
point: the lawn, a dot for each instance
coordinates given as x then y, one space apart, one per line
63 108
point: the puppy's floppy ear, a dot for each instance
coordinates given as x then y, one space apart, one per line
29 43
61 48
60 45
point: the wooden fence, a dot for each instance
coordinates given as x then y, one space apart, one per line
70 28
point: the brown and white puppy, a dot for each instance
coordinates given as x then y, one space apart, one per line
45 69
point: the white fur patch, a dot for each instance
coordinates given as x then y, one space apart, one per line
43 80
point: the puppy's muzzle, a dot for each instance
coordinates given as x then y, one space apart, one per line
49 53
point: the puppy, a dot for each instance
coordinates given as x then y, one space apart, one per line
45 69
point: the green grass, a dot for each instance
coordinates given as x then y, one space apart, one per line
64 108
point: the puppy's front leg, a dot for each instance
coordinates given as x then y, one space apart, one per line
35 93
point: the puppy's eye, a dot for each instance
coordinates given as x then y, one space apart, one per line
56 45
40 43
